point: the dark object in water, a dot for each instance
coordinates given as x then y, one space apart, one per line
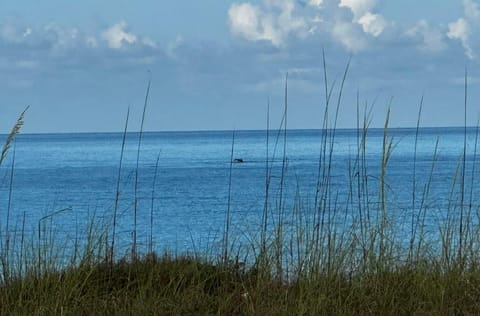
237 160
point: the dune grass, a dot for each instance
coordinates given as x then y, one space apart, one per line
335 257
168 285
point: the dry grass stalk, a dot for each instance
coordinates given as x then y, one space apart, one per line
11 137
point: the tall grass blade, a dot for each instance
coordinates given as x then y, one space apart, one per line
464 162
137 171
155 174
117 190
226 232
267 186
414 221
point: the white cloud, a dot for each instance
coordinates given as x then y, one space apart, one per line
358 7
315 3
60 39
243 20
430 39
350 36
466 28
172 47
472 10
147 41
27 48
116 36
50 37
460 30
352 23
274 22
372 23
286 22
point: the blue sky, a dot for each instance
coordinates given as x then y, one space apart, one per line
214 64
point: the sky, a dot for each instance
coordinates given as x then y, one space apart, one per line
217 65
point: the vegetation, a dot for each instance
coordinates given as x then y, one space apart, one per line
189 286
330 258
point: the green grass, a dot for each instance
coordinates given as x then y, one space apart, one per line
312 266
186 286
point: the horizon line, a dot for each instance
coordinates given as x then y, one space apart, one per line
237 130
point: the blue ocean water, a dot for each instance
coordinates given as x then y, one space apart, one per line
188 191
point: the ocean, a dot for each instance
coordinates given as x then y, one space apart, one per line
65 183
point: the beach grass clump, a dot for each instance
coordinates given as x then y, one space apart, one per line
165 285
146 285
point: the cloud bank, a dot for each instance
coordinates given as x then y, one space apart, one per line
277 21
354 24
28 47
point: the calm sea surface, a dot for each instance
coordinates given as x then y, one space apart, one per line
188 193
